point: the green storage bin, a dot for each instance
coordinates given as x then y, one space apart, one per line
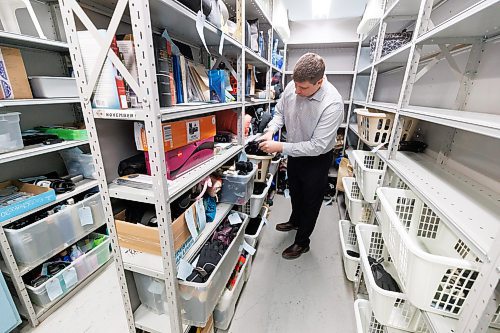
67 133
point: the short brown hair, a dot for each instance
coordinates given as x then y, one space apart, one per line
310 67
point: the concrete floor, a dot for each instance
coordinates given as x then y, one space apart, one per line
309 294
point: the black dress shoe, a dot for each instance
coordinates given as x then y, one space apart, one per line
294 251
287 226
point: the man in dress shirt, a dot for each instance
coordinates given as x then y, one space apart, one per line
312 111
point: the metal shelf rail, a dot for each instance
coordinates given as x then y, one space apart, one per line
470 209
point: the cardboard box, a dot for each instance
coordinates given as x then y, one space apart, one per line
13 78
185 158
42 196
147 239
179 133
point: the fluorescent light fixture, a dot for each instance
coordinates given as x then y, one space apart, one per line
321 8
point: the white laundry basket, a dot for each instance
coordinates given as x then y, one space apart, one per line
253 206
359 210
436 268
390 308
374 128
369 170
254 239
349 242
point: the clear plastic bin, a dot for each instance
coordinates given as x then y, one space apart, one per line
436 268
369 170
359 210
273 167
390 308
224 311
254 239
253 206
65 280
263 163
10 132
198 299
349 242
47 237
53 87
237 189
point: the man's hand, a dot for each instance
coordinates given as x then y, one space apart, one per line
268 136
271 146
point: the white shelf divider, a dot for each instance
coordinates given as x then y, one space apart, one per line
37 101
39 149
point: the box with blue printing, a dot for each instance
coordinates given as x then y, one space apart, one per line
41 196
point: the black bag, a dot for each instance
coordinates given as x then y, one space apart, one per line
210 255
392 42
382 278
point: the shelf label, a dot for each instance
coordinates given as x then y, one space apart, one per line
115 114
70 277
200 214
53 288
184 269
189 216
235 218
249 248
85 214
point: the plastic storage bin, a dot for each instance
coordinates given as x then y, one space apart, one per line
65 280
253 206
366 322
237 189
198 299
10 316
224 311
254 239
374 128
390 308
43 239
273 167
369 170
436 268
359 210
349 242
53 87
263 163
10 132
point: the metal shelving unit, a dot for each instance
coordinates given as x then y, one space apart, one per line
145 18
467 200
41 111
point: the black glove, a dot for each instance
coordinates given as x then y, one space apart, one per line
210 255
382 278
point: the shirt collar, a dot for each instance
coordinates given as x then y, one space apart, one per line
318 95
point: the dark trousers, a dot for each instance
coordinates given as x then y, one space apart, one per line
308 180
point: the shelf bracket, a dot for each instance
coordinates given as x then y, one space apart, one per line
451 61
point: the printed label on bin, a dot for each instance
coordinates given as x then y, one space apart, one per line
85 214
201 215
70 278
53 288
193 130
235 218
184 269
249 248
188 215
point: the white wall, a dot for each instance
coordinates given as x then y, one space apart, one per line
317 31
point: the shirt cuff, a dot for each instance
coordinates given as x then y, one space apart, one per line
287 148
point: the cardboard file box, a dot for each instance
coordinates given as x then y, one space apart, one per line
147 239
42 196
179 133
182 159
13 78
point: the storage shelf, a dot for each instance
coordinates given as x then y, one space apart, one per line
81 186
44 312
343 125
37 101
388 107
252 137
19 40
480 20
167 113
470 209
178 186
328 72
276 69
403 8
147 320
39 149
354 128
320 45
481 123
254 10
151 264
365 70
255 59
394 59
257 102
373 32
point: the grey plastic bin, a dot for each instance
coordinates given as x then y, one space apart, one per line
45 238
237 189
198 299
